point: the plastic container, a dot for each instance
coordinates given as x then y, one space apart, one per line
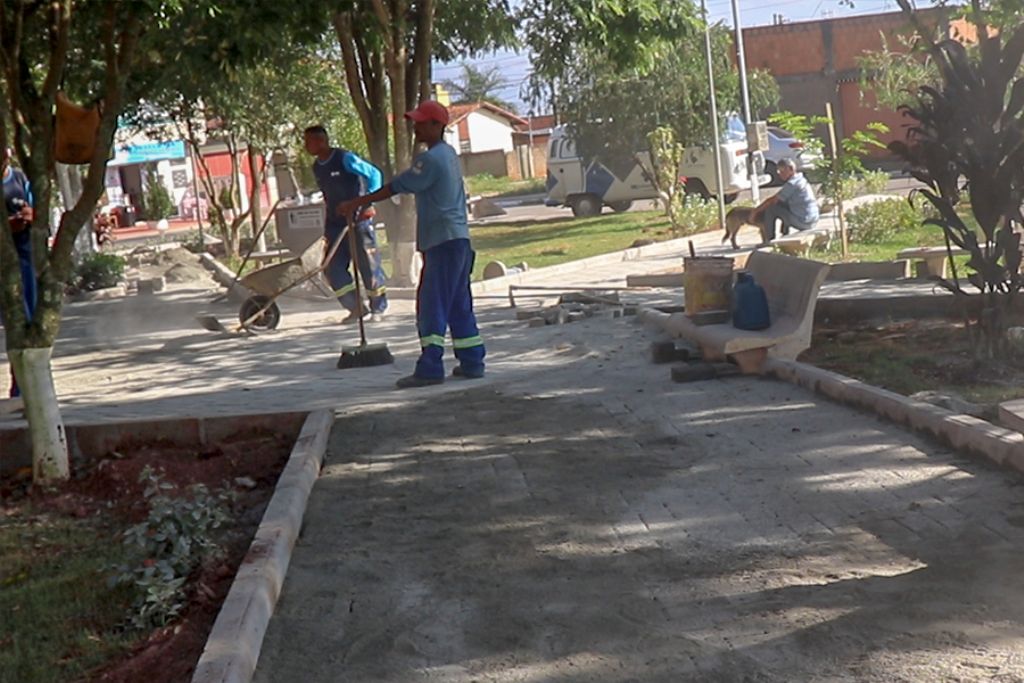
707 283
749 304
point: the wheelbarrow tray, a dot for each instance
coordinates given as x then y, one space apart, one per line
274 279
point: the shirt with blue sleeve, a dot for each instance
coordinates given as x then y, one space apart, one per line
435 177
797 195
342 176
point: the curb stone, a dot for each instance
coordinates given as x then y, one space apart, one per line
233 646
964 433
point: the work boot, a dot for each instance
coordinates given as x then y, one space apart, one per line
413 381
459 371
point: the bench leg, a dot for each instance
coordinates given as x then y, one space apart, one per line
710 354
752 361
936 266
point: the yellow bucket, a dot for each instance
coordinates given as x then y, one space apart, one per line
707 283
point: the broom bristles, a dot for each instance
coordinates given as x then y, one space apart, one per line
367 356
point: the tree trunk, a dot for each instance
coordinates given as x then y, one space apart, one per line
46 428
255 213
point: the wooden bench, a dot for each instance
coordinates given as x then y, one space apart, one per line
792 286
933 258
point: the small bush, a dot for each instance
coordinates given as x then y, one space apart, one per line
881 221
157 200
193 242
693 214
875 182
173 541
98 271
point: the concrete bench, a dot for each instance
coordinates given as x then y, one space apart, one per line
933 258
792 286
801 243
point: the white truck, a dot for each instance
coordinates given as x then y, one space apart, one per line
586 190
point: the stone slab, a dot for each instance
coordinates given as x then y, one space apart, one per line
870 270
233 646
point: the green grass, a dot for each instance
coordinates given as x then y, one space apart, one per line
559 240
59 616
488 185
920 236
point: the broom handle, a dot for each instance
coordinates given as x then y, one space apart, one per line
356 275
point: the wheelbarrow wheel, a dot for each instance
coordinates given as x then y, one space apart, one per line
268 320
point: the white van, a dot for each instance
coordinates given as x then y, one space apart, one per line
587 190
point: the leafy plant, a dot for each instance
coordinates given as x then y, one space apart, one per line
842 177
972 127
174 540
880 221
665 158
98 271
157 200
875 182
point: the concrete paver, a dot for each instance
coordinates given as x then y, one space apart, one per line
576 516
593 521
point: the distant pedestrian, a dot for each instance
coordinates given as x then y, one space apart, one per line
342 175
20 213
443 300
794 204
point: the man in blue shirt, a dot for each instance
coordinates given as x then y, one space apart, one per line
19 202
342 175
443 300
794 204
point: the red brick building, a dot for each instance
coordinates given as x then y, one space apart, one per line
815 62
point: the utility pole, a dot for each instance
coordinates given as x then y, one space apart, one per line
741 60
716 142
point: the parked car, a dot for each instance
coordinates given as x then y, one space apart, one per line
782 144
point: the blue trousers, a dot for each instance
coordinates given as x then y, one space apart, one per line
370 267
444 302
780 212
23 245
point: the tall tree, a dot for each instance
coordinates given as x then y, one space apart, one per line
479 85
36 39
387 47
113 51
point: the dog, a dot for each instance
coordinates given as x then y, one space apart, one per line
736 219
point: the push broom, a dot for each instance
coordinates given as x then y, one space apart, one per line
365 355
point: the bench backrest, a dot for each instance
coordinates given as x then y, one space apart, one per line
792 286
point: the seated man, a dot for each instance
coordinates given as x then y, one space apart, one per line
794 204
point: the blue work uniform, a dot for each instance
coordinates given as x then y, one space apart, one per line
443 300
17 194
343 176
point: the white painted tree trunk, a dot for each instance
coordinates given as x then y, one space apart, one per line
45 426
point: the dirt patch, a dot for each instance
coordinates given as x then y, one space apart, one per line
914 356
109 493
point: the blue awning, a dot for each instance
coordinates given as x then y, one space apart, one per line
154 151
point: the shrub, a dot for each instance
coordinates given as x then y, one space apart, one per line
157 199
174 540
882 220
193 242
875 182
98 271
694 214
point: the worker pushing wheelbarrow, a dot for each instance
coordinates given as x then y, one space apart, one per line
340 175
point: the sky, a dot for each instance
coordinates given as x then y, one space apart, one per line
516 66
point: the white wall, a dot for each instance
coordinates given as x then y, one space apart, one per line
489 131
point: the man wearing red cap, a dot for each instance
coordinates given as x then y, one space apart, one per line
442 235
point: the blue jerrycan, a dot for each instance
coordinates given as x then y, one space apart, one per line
749 304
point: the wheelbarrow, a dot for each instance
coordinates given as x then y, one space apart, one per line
260 312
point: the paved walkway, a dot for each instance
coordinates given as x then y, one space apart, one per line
591 521
575 516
